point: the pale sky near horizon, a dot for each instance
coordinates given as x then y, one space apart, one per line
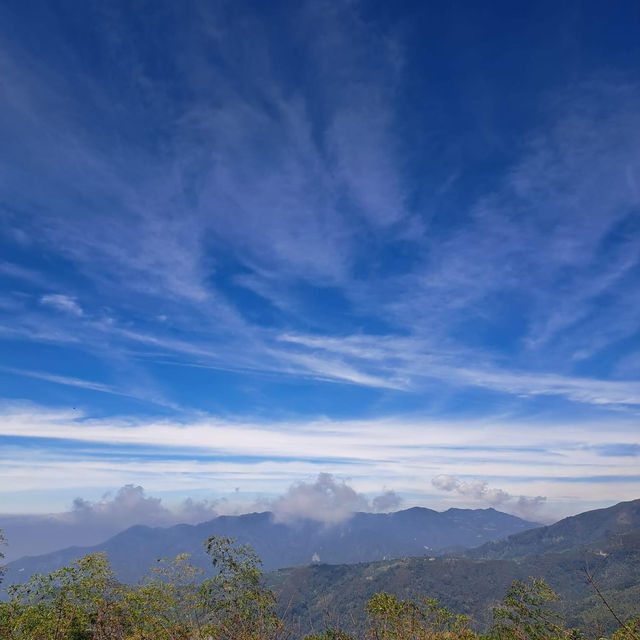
243 244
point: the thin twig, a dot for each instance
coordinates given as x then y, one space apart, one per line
592 582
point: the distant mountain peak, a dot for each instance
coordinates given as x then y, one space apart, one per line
365 537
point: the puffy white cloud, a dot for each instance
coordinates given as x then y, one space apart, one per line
476 489
481 491
529 505
130 505
327 500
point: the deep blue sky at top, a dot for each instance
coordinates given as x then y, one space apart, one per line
292 210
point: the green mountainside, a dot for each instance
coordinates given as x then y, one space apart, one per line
582 530
410 598
315 597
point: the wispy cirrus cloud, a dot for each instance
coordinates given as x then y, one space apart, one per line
187 235
280 214
62 302
417 361
373 449
90 386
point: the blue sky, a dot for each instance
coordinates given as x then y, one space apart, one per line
245 243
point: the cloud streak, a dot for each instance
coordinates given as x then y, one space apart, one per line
62 302
333 173
46 451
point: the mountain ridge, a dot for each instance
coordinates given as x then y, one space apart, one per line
582 529
472 584
363 537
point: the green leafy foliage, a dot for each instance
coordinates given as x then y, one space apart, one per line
179 601
240 606
330 634
630 631
171 603
175 602
526 614
76 603
392 619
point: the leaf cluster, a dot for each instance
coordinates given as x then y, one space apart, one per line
84 601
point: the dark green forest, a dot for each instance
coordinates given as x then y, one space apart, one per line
473 586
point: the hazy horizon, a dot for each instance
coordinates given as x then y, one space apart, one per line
86 523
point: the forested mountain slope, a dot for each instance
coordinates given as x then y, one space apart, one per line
318 597
581 530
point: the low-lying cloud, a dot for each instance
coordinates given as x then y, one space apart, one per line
131 506
481 491
388 501
90 522
327 500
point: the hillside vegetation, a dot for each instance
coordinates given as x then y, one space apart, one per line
606 543
580 531
468 586
175 602
487 593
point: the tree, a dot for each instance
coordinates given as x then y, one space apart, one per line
392 619
629 631
80 602
240 606
3 542
526 614
171 604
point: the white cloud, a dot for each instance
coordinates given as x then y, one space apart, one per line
90 522
303 159
387 501
89 385
131 506
481 491
563 461
128 506
277 151
325 500
316 439
62 302
409 364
